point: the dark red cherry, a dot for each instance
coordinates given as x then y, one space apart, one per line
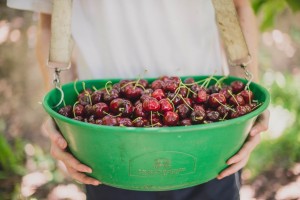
171 118
247 95
201 96
185 122
237 100
78 110
139 112
213 116
97 96
216 99
183 111
197 116
66 111
110 121
140 122
237 86
157 84
170 86
110 95
100 109
124 122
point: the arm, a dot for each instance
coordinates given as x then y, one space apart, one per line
58 143
248 24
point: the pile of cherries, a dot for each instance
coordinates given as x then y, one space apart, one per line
167 101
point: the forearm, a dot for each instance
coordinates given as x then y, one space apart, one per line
248 23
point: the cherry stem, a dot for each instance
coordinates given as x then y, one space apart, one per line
151 118
94 88
128 84
220 81
225 116
195 82
75 88
106 86
257 106
186 102
233 97
172 104
136 119
74 107
224 104
112 115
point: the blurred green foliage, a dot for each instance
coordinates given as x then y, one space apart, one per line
282 152
269 10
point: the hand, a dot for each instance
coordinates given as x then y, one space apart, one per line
239 160
58 151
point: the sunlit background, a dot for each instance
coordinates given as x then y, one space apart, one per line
27 171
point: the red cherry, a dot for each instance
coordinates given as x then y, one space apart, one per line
213 116
151 104
171 118
247 95
66 111
132 92
216 99
199 107
110 121
140 122
88 110
79 110
85 97
171 86
97 96
185 122
108 97
201 96
189 81
139 112
183 111
124 121
237 100
226 91
165 105
237 86
100 109
197 116
122 106
157 84
158 94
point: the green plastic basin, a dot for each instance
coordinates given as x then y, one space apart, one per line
153 159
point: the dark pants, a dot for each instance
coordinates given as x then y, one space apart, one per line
225 189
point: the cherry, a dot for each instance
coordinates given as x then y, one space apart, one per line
143 82
110 121
66 111
139 112
226 91
100 109
185 122
154 118
189 81
176 79
199 107
216 99
157 84
78 110
85 97
147 91
171 86
140 122
144 97
242 110
158 94
247 95
124 121
213 116
213 89
132 92
91 119
88 110
117 86
165 105
151 104
108 97
197 116
164 78
201 96
183 111
183 92
171 118
188 101
224 110
237 86
176 100
195 88
122 106
97 96
237 100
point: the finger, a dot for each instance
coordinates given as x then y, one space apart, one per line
249 145
262 124
56 138
72 162
82 177
233 168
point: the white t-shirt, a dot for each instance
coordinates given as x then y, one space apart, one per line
123 38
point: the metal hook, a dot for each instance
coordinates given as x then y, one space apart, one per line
56 83
249 75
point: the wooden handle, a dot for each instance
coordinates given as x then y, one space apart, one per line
234 41
61 42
